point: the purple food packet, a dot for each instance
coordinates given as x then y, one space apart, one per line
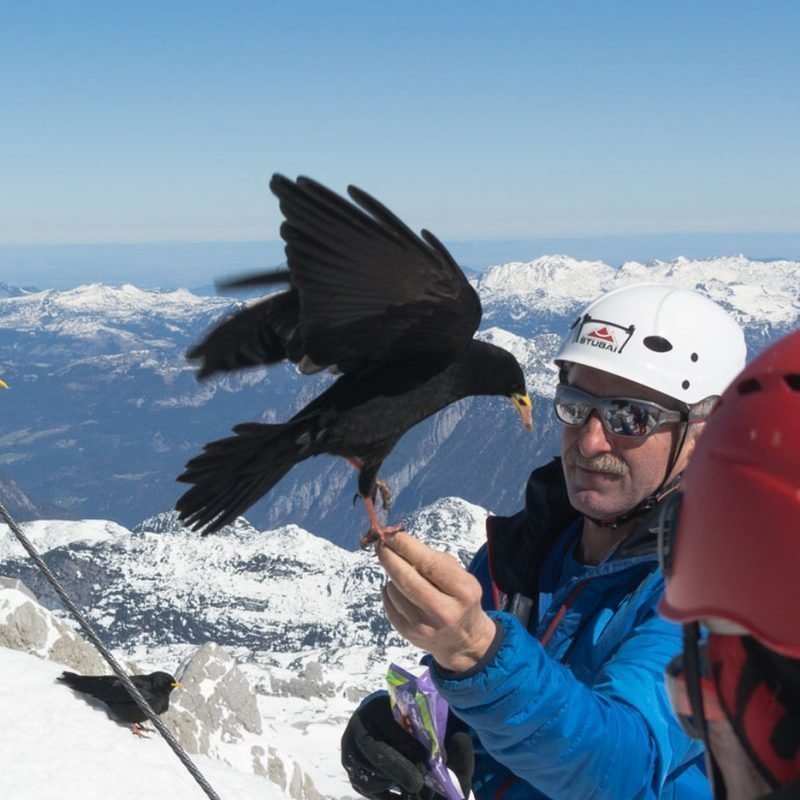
421 711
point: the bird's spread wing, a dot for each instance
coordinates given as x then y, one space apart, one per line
369 297
263 333
370 289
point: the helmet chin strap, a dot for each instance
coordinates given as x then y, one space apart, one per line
652 500
691 661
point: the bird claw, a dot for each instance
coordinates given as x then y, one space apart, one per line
137 729
379 535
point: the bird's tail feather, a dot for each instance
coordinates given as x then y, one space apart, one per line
70 678
233 473
101 687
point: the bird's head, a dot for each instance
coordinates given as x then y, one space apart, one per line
509 380
510 372
164 681
500 373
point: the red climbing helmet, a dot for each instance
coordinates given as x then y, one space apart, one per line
730 540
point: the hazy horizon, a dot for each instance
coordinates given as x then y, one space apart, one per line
197 264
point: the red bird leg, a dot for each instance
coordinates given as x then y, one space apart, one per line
377 532
139 730
382 486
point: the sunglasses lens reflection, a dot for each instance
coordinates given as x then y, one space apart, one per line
620 416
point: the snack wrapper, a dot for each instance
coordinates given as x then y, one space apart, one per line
422 712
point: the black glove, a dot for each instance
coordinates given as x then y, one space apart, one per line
379 756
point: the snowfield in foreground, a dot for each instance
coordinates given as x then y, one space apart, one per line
266 710
56 746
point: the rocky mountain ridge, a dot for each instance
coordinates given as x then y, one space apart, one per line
277 635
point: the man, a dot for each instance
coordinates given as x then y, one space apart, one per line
730 542
551 652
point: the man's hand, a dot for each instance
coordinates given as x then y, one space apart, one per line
434 602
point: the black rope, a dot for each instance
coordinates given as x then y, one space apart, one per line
108 656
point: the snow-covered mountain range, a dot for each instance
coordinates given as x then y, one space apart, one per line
276 626
301 615
283 590
104 409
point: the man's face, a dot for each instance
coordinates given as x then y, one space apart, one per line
607 475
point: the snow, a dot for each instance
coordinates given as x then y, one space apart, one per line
56 745
52 735
277 585
755 290
79 306
45 535
550 283
304 693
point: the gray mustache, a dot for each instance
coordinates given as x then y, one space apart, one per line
604 463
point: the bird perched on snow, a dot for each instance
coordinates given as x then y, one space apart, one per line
155 688
368 298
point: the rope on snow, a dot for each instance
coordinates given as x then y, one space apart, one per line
108 656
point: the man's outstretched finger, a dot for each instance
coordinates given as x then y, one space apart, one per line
408 580
439 569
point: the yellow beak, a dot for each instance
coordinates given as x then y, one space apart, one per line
3 384
522 402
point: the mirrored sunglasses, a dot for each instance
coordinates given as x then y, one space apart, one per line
620 416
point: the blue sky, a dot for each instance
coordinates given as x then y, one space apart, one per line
163 121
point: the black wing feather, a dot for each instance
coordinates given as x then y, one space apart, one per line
264 333
350 266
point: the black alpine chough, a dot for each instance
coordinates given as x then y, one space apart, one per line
155 688
368 298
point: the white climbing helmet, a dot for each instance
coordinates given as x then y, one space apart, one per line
676 341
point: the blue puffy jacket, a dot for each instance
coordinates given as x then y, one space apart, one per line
570 700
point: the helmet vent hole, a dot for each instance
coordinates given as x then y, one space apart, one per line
793 382
658 344
749 386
